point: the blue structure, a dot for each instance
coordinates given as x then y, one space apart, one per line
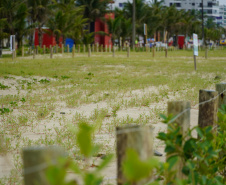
69 42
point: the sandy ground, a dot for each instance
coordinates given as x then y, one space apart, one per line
7 164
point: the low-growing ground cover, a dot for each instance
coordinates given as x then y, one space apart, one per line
40 99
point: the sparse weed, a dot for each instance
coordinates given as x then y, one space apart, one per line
3 87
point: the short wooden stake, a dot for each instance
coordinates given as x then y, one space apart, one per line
113 51
109 48
175 108
221 89
36 160
34 53
79 48
56 48
22 51
44 49
128 52
208 106
89 51
73 51
84 48
62 48
51 51
68 48
101 48
138 138
166 52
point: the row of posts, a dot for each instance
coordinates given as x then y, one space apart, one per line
97 49
138 138
93 49
113 49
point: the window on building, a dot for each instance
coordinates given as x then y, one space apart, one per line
209 11
171 4
200 4
121 5
178 4
193 4
210 4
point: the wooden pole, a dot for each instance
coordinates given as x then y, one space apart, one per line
13 55
207 110
175 108
166 52
138 138
73 51
221 89
128 52
195 62
36 160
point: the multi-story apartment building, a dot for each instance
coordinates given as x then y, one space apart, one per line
210 7
223 15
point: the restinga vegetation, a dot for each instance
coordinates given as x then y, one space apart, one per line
75 19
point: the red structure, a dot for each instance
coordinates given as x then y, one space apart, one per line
180 41
101 26
47 38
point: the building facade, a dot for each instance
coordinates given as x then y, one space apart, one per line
210 7
223 15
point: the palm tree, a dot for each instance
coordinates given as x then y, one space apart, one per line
141 14
93 9
14 13
114 28
67 20
39 12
